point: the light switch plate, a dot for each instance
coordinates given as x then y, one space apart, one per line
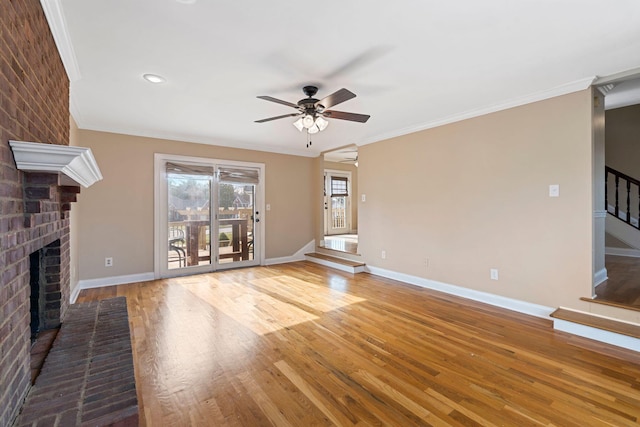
554 190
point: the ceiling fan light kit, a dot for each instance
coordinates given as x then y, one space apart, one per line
314 111
298 124
308 121
311 123
321 123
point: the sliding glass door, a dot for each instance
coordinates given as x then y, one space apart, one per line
236 215
207 215
188 223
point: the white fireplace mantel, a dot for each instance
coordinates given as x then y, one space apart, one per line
77 163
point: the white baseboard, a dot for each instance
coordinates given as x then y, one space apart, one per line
496 300
114 280
298 256
514 305
600 277
596 334
630 252
142 277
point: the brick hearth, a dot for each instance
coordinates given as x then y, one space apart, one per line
88 377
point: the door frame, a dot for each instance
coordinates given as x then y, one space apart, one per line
160 201
328 173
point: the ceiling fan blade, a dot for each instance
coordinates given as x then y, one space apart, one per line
354 117
277 117
336 98
279 101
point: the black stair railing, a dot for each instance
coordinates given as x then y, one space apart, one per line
624 208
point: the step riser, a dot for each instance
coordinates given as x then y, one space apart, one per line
590 332
337 266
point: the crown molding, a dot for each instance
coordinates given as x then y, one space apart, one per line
58 25
77 163
214 141
564 89
633 73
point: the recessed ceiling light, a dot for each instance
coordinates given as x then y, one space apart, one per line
154 78
186 1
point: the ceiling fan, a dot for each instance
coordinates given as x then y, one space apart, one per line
350 159
314 111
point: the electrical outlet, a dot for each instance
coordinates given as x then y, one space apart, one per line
494 274
364 197
426 262
383 255
108 262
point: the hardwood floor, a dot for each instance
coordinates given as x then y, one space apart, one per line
623 284
303 345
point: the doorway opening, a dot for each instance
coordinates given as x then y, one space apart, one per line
619 181
340 211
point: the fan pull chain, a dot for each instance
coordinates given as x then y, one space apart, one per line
309 142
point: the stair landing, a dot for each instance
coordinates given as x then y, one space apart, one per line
336 262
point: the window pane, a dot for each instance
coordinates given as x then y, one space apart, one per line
338 186
189 188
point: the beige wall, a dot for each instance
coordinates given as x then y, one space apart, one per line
622 136
116 214
473 195
354 187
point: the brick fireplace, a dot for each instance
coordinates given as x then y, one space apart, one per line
40 232
34 208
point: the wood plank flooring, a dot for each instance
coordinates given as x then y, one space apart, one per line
303 345
623 284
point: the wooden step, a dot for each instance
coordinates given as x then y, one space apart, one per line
596 327
611 304
336 262
595 321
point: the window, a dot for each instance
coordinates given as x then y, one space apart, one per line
339 186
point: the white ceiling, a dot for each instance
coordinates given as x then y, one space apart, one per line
412 63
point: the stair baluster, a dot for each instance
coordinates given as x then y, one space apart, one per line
606 190
617 209
628 202
629 217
